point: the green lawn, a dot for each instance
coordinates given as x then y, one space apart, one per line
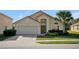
2 37
59 42
59 37
68 39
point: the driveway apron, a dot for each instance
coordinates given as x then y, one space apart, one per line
19 41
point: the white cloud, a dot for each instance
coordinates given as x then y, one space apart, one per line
20 16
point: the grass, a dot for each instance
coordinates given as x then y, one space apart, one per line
60 42
61 37
72 38
2 37
73 32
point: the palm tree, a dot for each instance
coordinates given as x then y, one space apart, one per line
65 17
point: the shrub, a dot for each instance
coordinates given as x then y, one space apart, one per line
10 32
66 33
52 34
60 32
52 31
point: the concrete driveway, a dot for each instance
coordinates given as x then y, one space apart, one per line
19 41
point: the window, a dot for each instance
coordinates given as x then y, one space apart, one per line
43 21
73 27
57 27
77 27
56 23
43 26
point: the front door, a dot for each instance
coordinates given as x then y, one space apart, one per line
43 29
43 26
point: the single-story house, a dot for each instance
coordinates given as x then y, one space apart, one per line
75 25
5 22
37 23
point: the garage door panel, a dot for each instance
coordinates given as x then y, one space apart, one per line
28 30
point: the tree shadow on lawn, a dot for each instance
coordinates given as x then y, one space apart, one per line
71 36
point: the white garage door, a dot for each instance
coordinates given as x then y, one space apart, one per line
28 30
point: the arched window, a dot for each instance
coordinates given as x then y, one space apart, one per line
43 21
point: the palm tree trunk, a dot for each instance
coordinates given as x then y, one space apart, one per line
64 28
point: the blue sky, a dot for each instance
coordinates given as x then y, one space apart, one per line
18 14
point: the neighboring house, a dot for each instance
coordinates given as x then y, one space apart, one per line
5 22
75 25
37 23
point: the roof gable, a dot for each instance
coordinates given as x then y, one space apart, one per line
26 18
5 15
35 15
75 21
39 13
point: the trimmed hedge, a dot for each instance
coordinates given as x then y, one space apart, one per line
56 31
52 31
60 32
10 32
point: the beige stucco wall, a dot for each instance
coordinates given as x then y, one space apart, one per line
54 26
27 26
75 27
5 21
50 22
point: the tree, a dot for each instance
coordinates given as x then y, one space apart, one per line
65 17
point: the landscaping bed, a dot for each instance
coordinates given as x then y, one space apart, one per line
71 38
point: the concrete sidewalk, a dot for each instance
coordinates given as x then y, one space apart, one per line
44 46
57 40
